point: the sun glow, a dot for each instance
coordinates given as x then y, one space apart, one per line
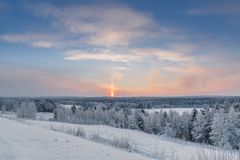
112 94
112 91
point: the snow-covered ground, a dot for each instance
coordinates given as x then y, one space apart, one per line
179 110
23 142
69 106
44 116
146 144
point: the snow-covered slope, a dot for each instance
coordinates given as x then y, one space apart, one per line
146 144
30 142
23 142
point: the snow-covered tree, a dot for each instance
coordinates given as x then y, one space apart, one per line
219 132
73 108
3 109
172 128
184 126
225 129
120 119
148 123
132 122
27 110
139 118
202 127
191 122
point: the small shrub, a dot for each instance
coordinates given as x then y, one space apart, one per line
80 132
217 155
159 155
96 137
121 143
52 128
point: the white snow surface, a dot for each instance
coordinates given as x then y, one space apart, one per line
146 144
69 106
179 110
36 141
44 116
23 142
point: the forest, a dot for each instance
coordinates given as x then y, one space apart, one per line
217 123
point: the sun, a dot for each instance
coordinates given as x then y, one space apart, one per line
112 91
112 94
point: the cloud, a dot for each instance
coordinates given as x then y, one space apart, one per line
129 55
162 55
184 47
193 80
42 44
119 35
35 40
104 55
104 26
28 82
99 26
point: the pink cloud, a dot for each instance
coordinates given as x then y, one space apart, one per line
32 82
195 80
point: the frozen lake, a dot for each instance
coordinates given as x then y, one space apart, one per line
179 110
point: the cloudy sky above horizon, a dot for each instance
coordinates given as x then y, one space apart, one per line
134 48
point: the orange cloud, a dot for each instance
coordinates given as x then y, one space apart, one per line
191 80
31 82
177 79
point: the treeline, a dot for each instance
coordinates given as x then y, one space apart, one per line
48 104
42 104
151 102
219 126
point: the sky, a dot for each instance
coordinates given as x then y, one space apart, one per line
120 48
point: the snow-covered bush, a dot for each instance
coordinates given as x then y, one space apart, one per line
96 138
159 154
27 110
119 142
122 143
80 132
216 155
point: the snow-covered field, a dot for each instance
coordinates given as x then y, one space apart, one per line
33 139
179 110
145 144
23 142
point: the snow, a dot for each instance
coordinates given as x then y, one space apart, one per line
179 110
69 106
23 142
146 144
36 139
44 116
